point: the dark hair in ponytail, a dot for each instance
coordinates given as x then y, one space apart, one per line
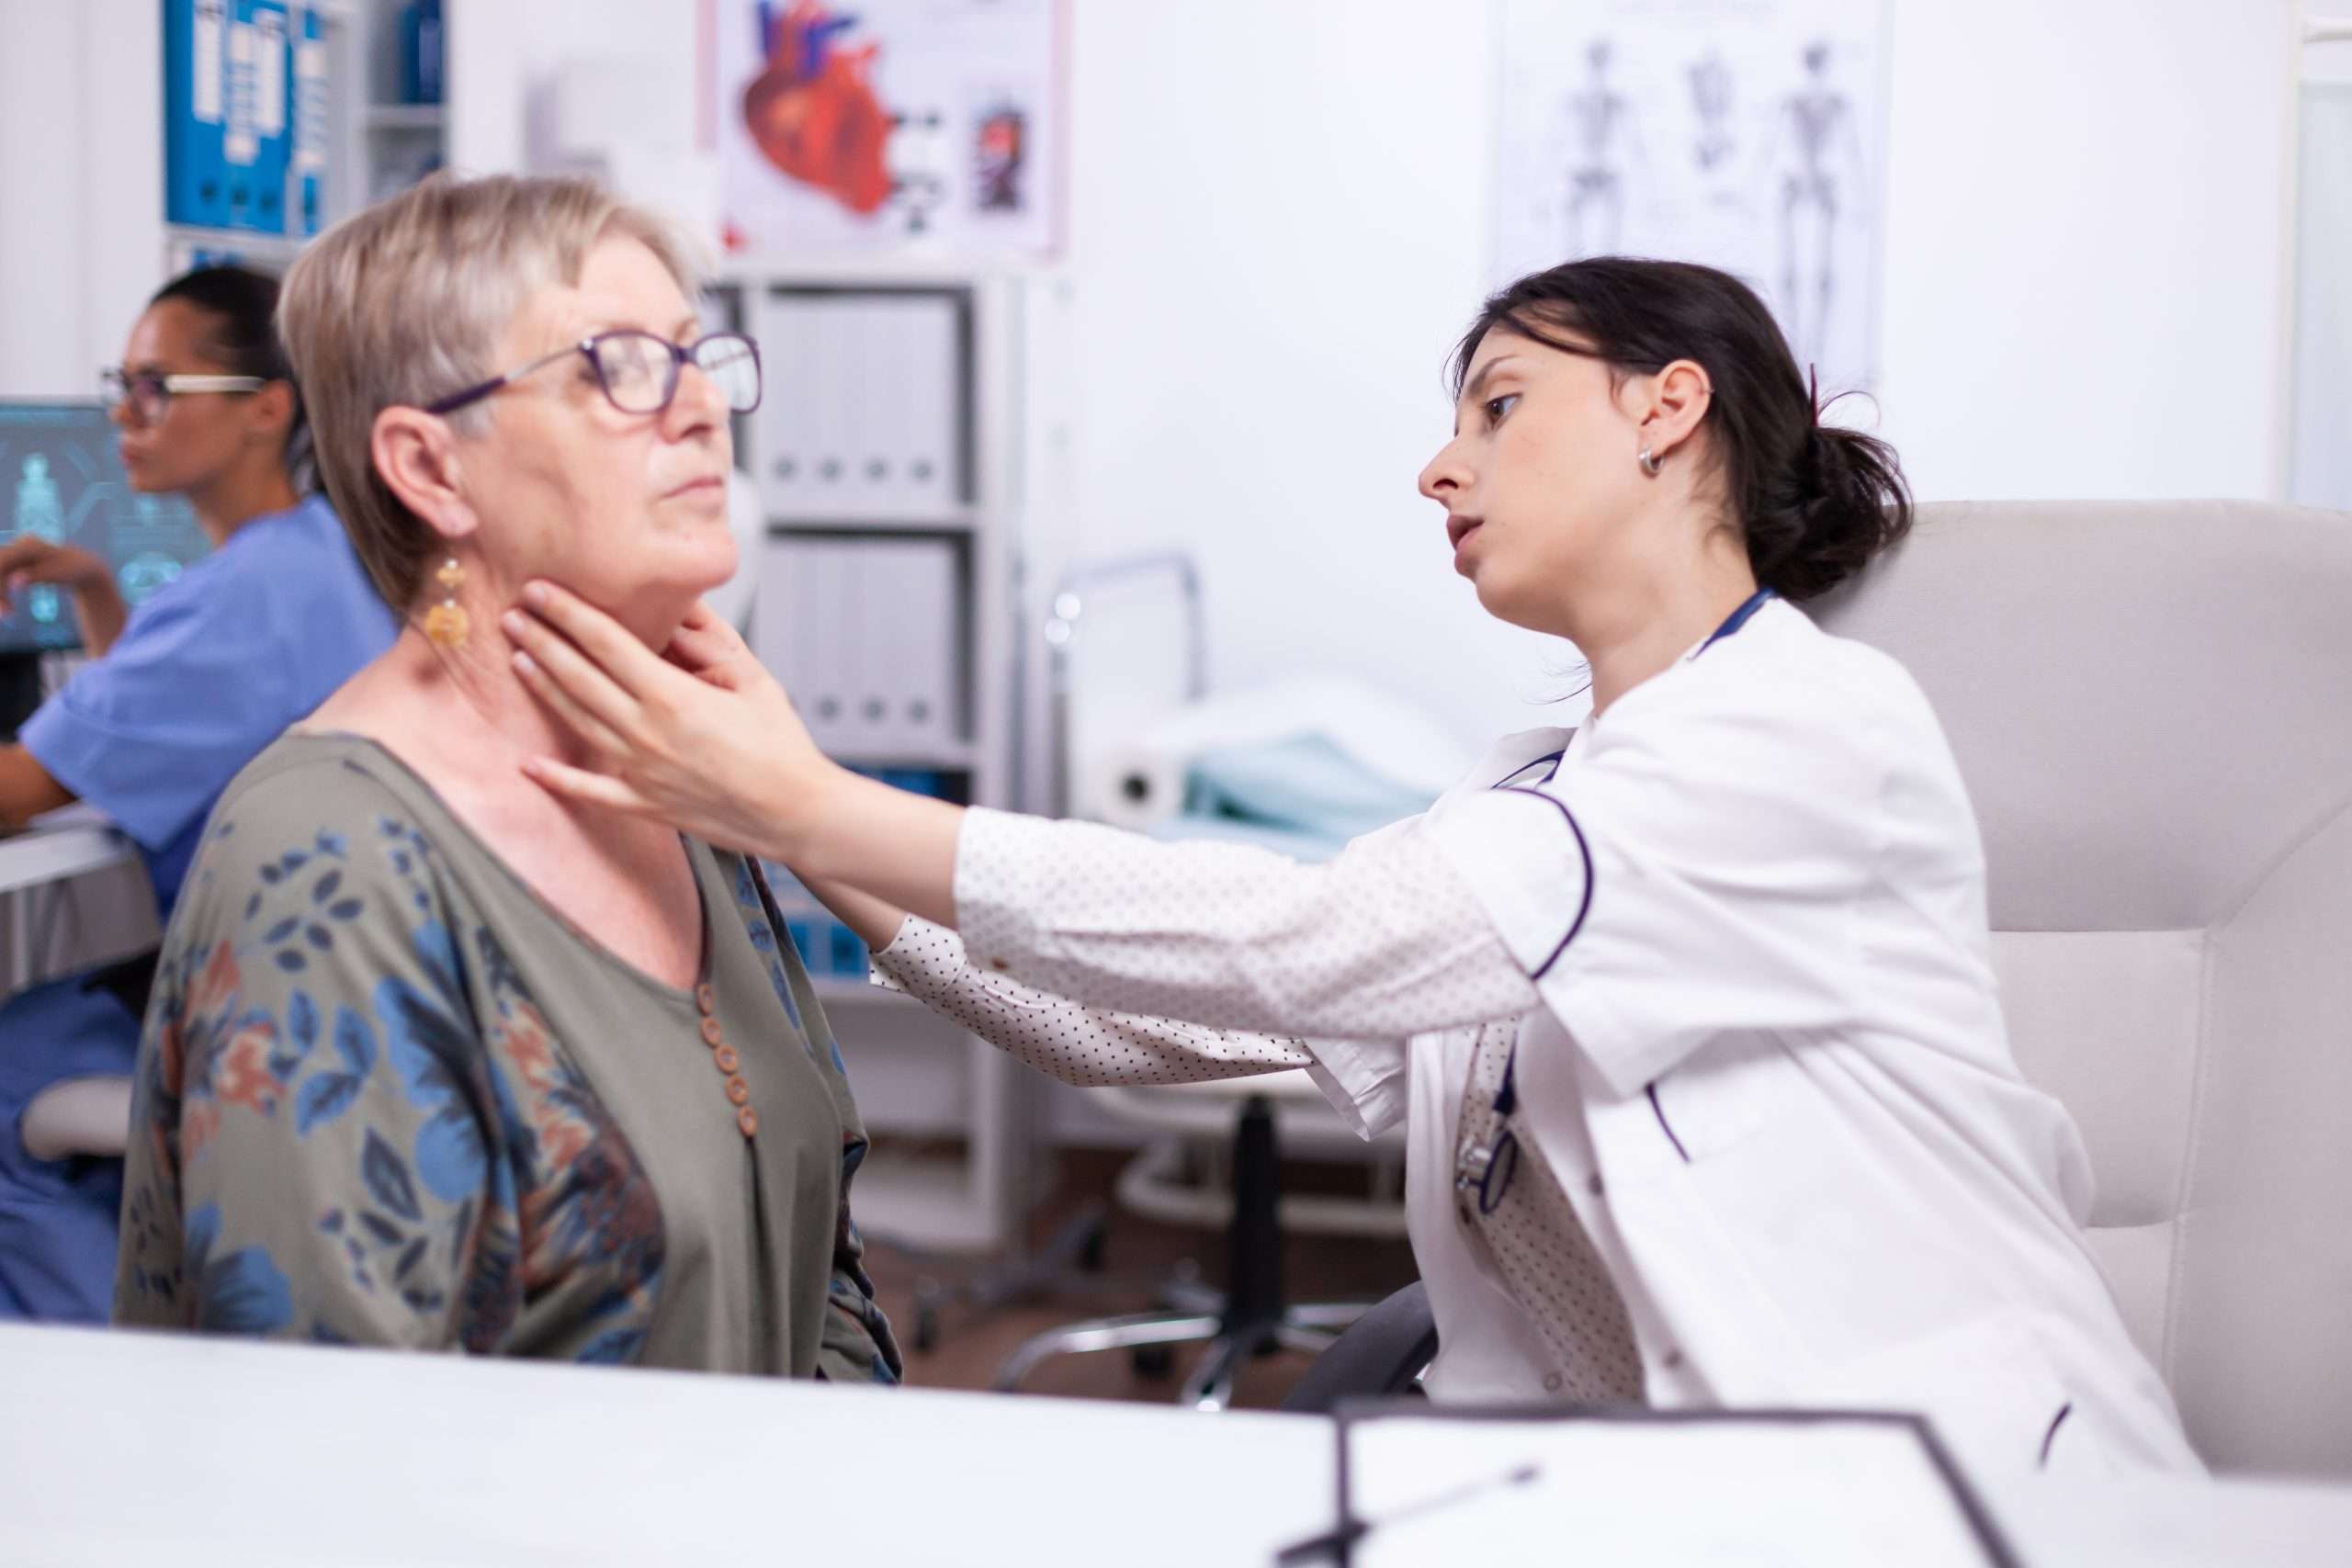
242 307
1814 501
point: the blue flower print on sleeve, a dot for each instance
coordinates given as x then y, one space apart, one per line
241 1292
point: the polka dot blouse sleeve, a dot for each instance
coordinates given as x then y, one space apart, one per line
1384 941
1077 1045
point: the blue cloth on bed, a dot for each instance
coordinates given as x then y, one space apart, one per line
1301 797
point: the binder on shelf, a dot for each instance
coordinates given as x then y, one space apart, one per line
797 629
918 358
307 69
241 108
928 782
272 126
870 395
909 634
845 953
784 428
825 393
829 618
828 950
866 420
196 46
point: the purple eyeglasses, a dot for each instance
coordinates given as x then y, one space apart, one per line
640 371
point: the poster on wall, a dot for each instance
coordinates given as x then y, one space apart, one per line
887 125
1746 134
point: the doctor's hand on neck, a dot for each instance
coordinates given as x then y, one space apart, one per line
703 738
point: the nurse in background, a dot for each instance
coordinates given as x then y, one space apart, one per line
1689 1013
178 695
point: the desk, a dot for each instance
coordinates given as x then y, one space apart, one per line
73 893
119 1448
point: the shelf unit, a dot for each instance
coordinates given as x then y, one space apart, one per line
974 1200
390 144
376 145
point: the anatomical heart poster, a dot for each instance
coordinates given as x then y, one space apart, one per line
1746 134
932 126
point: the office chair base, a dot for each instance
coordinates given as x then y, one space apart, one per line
1310 1329
1070 1263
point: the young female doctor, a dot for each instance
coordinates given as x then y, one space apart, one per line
1689 1011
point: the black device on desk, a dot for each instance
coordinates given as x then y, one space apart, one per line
1937 1502
61 477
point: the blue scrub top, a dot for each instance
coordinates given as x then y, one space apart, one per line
207 673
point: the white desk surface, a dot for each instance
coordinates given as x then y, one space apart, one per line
118 1447
60 846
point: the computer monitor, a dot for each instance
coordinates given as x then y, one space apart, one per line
61 477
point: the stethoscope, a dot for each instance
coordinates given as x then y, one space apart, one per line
1484 1170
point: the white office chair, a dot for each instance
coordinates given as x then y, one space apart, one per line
2152 705
80 1116
94 921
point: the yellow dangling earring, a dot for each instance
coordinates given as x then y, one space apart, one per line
446 622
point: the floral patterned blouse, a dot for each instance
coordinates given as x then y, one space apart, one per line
389 1096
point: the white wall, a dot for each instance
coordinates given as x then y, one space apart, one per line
2320 466
1277 219
81 234
2083 257
506 56
1278 226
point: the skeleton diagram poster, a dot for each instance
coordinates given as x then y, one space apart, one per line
886 124
1747 134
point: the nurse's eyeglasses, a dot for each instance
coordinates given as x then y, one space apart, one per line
638 371
148 393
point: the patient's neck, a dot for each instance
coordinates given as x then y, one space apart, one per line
484 710
460 714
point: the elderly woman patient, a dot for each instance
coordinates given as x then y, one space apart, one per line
436 1060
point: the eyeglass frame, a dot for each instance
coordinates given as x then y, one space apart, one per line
170 384
681 355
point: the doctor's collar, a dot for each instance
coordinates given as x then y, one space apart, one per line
1732 622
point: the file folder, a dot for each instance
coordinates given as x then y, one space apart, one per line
273 65
240 106
845 953
309 72
784 421
911 636
918 348
867 416
826 393
196 45
797 626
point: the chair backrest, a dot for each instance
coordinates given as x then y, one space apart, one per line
2152 706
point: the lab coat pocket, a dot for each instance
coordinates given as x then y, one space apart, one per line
1726 1094
1984 1385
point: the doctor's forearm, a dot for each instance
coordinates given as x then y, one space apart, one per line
876 921
1382 942
889 846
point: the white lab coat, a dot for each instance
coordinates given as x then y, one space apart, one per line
1760 1044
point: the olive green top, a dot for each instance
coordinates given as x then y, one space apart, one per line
389 1095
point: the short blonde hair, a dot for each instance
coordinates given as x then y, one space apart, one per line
402 304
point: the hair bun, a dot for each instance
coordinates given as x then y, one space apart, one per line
1839 500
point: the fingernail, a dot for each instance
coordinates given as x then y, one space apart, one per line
515 621
535 595
524 665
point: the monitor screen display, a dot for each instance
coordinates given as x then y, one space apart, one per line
60 478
